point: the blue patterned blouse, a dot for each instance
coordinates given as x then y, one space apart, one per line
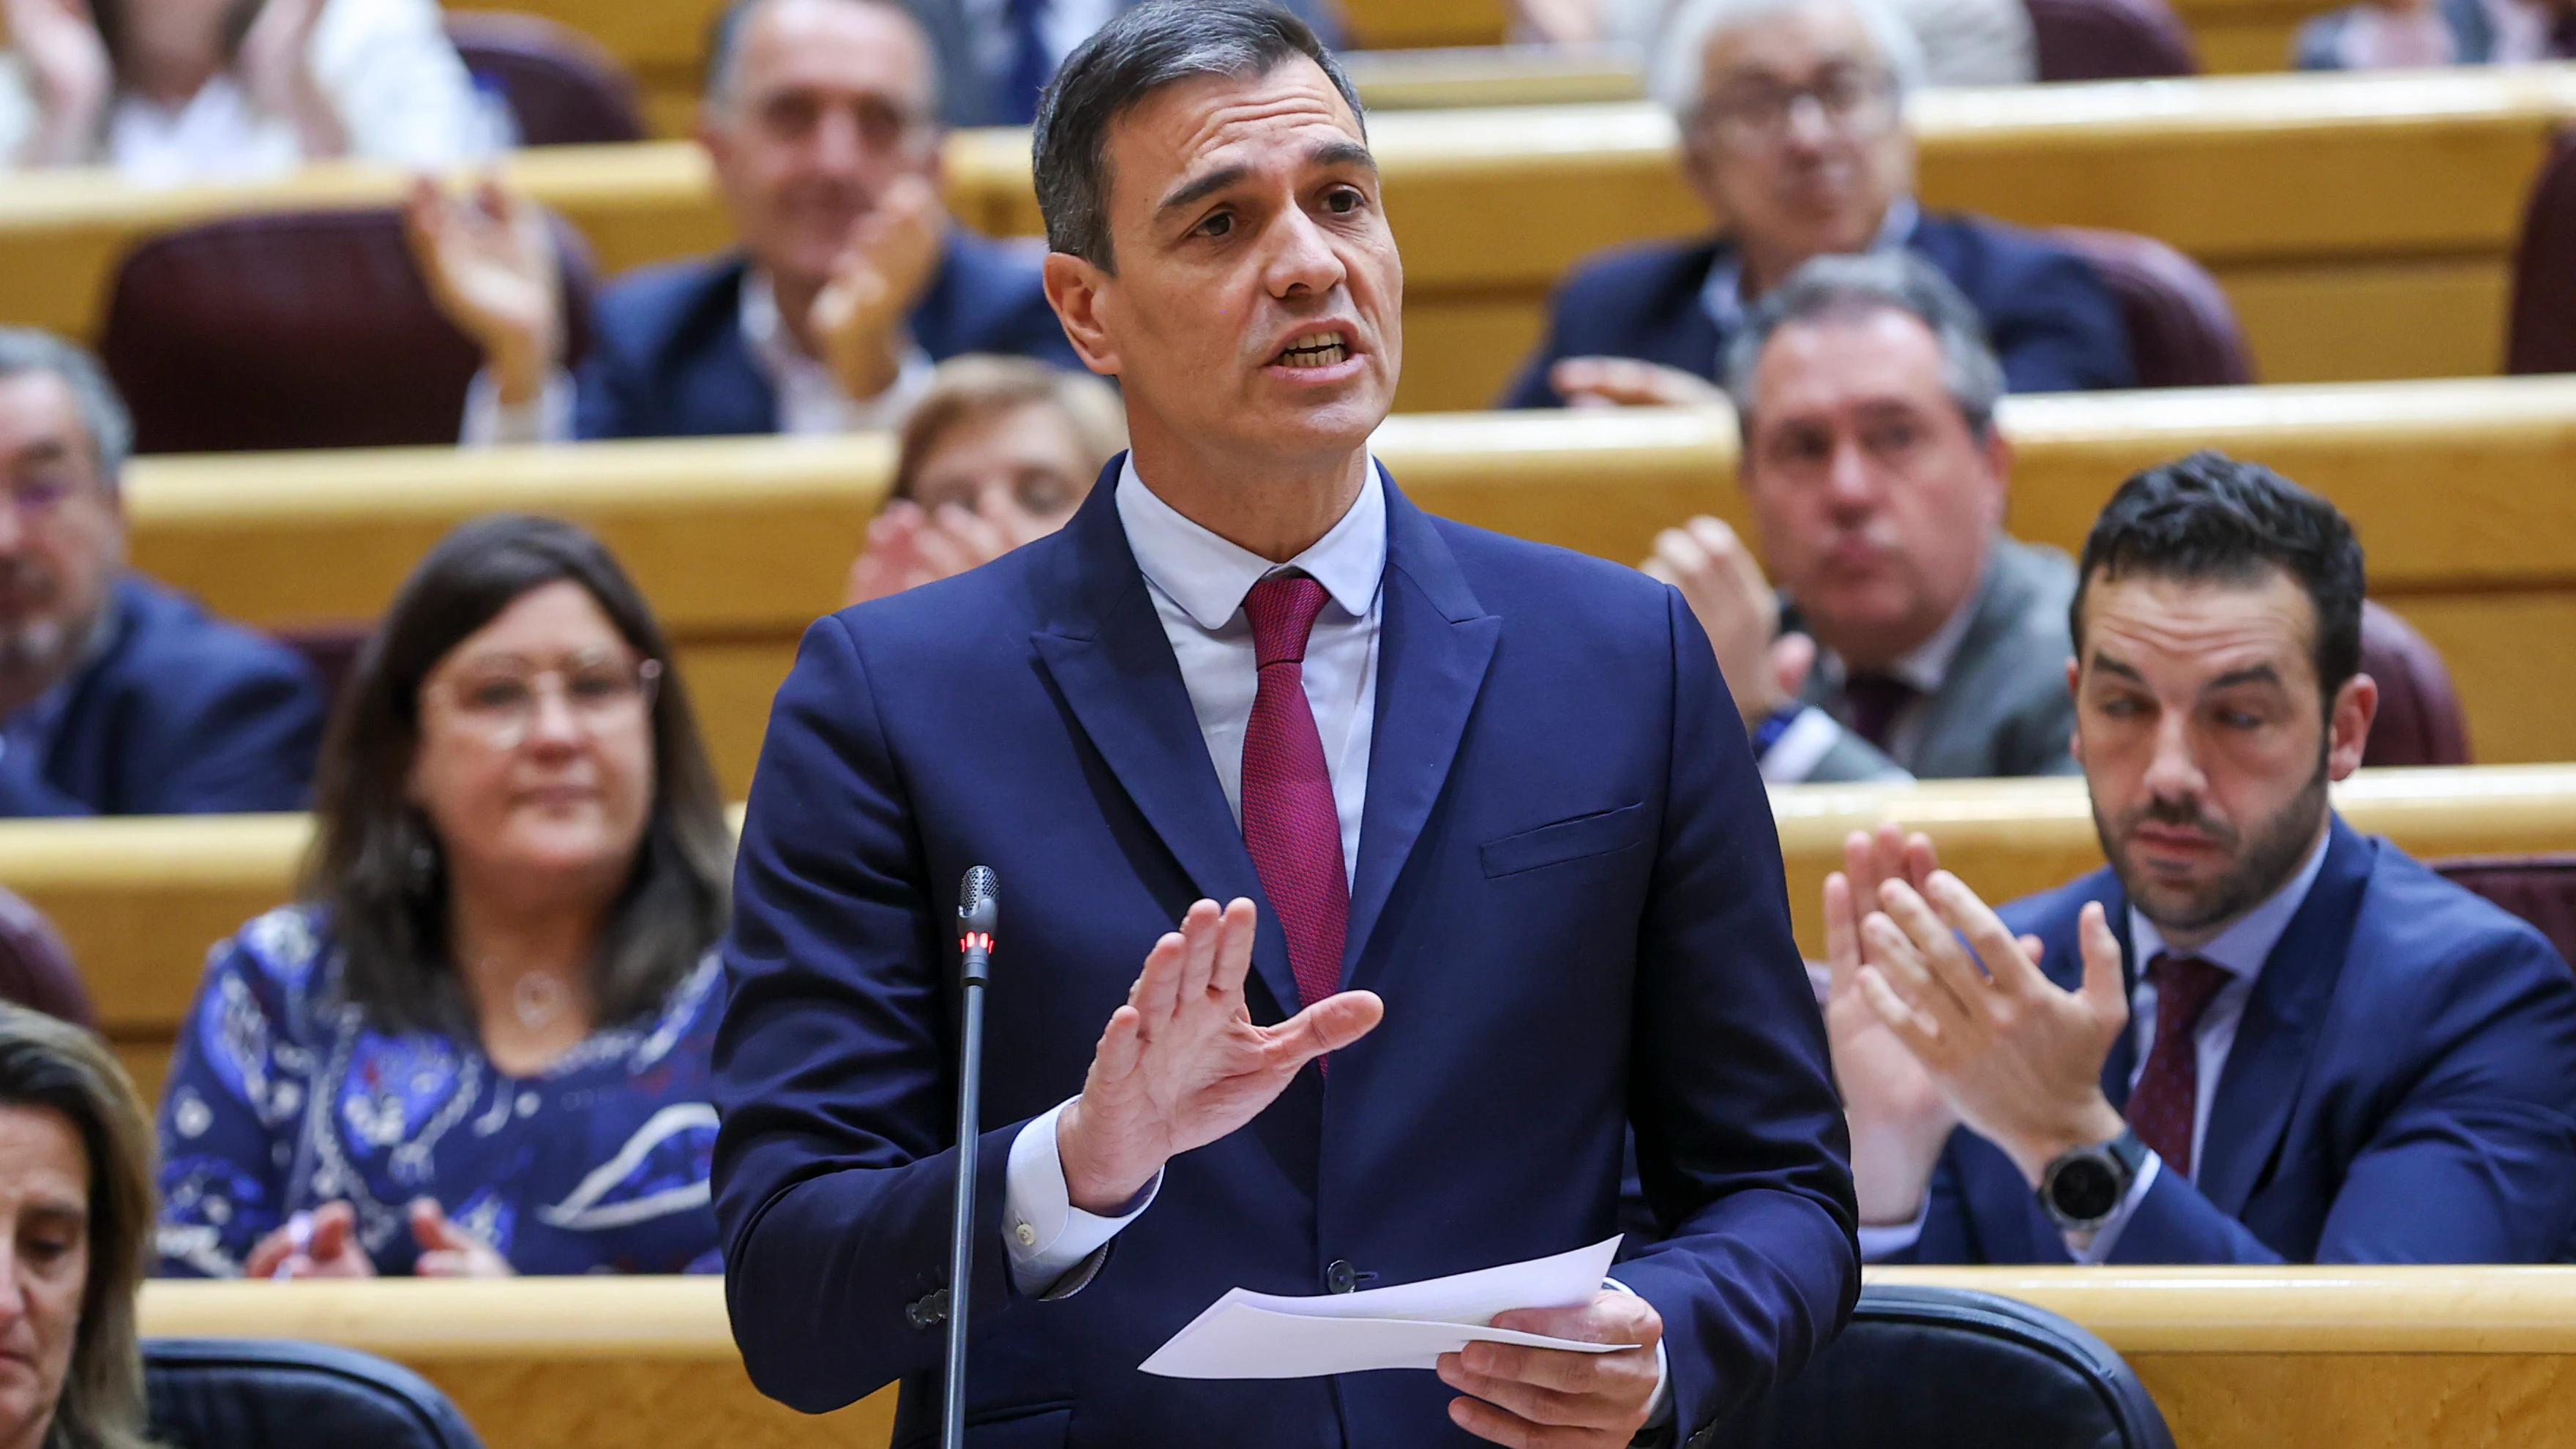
282 1098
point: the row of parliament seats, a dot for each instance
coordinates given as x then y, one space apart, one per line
740 543
2291 1358
141 900
2359 226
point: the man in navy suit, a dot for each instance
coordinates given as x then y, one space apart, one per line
1494 848
118 697
848 283
2259 1036
1792 122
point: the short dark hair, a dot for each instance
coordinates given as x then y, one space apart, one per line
376 862
1836 287
2211 517
724 42
1156 44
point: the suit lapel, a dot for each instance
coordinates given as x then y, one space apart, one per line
1434 643
1105 649
2123 1057
1947 715
2260 1084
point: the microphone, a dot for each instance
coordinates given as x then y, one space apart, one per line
979 915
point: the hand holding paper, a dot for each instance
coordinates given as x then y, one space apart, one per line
1541 1342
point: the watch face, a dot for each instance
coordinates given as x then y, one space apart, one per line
2085 1188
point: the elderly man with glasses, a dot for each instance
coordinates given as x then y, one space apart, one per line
117 696
1792 116
847 283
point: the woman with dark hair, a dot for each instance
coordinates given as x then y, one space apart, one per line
76 1208
480 1045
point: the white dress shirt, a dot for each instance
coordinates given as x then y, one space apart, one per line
2240 950
811 402
1803 745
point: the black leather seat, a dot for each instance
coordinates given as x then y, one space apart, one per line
1932 1368
251 1393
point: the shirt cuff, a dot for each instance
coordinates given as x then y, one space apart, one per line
1877 1244
1800 748
1659 1409
490 423
2107 1236
1043 1232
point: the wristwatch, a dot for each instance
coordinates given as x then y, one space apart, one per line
2083 1187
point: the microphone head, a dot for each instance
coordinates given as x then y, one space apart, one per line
979 903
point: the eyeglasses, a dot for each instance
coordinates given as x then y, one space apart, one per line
499 705
1753 114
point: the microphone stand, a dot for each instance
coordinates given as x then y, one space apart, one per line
978 914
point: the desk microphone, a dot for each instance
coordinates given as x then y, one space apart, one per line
979 915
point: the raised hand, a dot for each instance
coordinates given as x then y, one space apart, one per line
1181 1064
1899 1118
2018 1058
320 1244
1718 577
909 545
1549 1396
448 1251
857 319
70 72
490 262
276 68
1597 382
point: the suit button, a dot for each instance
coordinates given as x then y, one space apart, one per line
1341 1278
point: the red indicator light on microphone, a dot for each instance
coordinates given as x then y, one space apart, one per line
975 941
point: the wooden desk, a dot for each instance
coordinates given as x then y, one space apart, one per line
140 900
2238 36
555 1363
2361 223
2237 1358
2459 489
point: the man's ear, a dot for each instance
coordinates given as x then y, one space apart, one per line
2075 687
2348 725
1075 288
1999 460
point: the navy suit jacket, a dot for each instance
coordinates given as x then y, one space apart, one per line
179 714
667 359
2054 322
1569 894
2402 1090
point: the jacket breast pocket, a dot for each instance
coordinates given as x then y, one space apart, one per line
1604 832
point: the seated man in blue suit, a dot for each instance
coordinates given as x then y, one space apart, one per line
118 697
1494 845
2258 1037
1793 132
849 282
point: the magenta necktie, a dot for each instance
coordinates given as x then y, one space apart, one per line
1290 823
2160 1109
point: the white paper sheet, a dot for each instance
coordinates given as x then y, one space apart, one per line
1247 1335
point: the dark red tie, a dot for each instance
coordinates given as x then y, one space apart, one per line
2160 1109
1290 822
1872 701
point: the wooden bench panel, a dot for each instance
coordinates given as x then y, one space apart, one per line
140 901
2458 489
2409 184
2237 1358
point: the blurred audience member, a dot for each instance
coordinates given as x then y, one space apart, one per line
998 452
848 284
1964 42
117 696
481 1044
2395 34
76 1211
997 55
1919 639
1792 120
2258 1036
196 90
